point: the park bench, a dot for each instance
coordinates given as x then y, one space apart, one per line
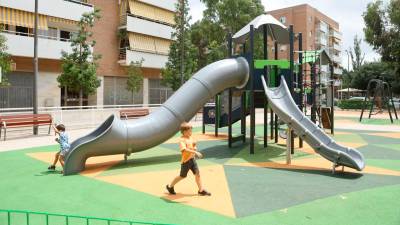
24 120
133 113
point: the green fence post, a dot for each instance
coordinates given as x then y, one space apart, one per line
27 218
47 219
108 222
67 220
87 221
8 218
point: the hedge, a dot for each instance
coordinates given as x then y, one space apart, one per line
353 104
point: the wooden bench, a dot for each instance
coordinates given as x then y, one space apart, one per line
133 113
24 120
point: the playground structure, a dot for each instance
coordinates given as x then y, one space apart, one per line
251 79
381 91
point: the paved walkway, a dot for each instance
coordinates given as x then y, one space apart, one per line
20 139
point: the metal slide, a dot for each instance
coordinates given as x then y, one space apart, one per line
284 106
117 136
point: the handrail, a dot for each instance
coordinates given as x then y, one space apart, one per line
83 107
67 217
31 35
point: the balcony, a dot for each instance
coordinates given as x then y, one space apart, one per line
21 44
66 9
323 27
337 59
337 47
164 4
141 26
336 35
337 71
151 60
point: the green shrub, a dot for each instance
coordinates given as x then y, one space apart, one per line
353 104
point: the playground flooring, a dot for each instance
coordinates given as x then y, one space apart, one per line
246 189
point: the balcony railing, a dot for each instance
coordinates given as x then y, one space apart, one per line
43 35
81 2
124 18
122 52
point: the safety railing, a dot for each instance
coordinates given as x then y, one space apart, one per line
76 117
23 217
44 35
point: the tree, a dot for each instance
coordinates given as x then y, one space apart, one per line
356 55
135 77
5 60
382 31
171 74
220 18
368 71
79 67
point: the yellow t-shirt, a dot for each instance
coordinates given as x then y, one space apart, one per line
186 143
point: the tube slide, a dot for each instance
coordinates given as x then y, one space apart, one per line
117 136
283 104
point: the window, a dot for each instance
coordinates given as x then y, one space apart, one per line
158 93
65 35
283 48
283 19
116 92
23 31
310 19
310 34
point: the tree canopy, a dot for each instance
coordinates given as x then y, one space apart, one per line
382 31
181 51
135 77
5 59
79 67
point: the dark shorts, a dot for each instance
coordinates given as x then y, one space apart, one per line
189 165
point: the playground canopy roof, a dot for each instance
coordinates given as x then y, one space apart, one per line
275 29
314 56
350 90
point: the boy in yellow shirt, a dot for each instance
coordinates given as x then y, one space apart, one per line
188 162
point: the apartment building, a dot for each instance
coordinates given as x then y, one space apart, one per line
319 32
128 31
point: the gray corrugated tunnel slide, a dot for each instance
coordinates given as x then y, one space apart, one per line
117 136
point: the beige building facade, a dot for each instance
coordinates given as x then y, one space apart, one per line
128 31
319 32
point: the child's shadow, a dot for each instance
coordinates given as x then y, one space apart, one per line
171 198
49 172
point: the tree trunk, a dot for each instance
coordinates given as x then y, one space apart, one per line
65 96
81 97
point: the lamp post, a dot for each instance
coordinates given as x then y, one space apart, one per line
182 40
35 66
348 71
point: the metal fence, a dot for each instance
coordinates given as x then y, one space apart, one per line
76 117
23 217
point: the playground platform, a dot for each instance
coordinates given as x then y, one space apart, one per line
246 189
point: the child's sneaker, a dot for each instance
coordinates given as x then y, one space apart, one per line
51 167
170 190
204 193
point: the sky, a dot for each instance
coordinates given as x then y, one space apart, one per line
347 13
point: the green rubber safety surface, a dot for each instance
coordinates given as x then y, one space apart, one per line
300 186
259 195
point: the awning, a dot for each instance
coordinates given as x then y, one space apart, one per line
141 42
62 20
151 12
150 44
21 18
350 90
